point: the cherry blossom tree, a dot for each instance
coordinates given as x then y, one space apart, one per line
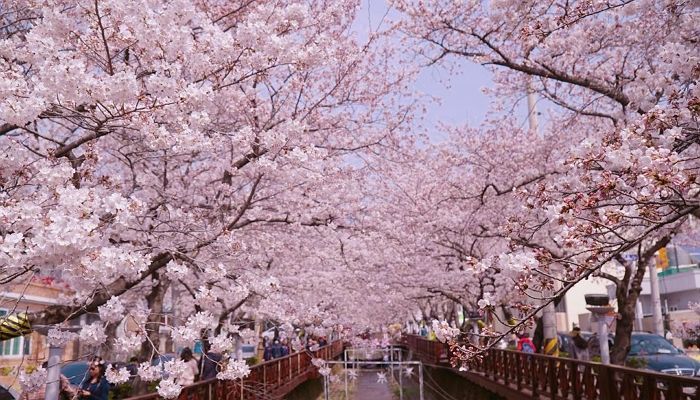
202 146
459 214
688 330
260 160
619 80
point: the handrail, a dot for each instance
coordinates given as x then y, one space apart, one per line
563 378
274 377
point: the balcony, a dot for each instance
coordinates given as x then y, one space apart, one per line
675 280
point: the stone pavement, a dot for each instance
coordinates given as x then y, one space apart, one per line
369 389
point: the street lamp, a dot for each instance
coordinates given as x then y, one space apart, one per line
603 313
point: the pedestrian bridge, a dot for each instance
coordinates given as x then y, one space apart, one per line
516 375
502 374
270 380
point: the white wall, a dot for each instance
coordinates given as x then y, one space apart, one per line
576 303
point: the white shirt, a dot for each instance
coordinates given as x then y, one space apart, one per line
188 374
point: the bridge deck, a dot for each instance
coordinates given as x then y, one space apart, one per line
516 375
369 388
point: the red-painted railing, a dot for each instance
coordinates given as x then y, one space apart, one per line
550 377
271 379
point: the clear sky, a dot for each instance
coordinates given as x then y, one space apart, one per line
459 96
460 99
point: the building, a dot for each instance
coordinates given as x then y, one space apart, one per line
679 282
31 350
679 285
572 311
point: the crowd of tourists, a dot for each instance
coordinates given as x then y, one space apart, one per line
94 386
577 346
277 349
277 346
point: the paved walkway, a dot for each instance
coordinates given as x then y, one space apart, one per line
369 389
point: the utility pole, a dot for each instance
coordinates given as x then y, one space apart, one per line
532 110
675 257
655 299
53 379
639 314
420 380
550 344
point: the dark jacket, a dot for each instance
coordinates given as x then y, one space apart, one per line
210 365
276 350
98 391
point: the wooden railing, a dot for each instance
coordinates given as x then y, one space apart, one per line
271 379
541 376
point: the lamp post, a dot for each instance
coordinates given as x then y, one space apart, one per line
603 313
53 379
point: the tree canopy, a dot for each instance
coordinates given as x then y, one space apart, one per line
264 159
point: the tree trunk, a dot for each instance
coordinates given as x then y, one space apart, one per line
538 334
627 291
623 330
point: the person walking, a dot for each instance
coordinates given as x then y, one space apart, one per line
285 347
209 364
267 353
593 346
276 349
525 344
188 375
133 366
579 345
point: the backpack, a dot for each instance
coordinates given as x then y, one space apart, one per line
527 347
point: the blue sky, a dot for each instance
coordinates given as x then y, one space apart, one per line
460 96
460 99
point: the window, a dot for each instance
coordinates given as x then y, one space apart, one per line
15 347
647 344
